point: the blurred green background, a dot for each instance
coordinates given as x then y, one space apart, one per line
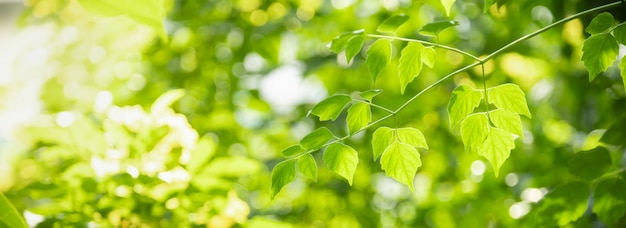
108 122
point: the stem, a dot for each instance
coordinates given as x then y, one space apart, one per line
482 67
374 105
427 43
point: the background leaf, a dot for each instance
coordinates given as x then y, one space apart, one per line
378 56
359 115
330 108
497 147
147 12
341 159
590 164
463 101
447 6
308 167
609 199
600 23
599 53
282 174
509 97
410 64
9 215
391 24
401 161
566 203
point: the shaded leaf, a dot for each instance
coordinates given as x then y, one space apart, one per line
380 140
447 6
282 174
308 167
615 135
622 68
509 97
330 108
463 101
474 130
435 28
410 64
353 47
316 139
359 115
619 33
9 215
497 147
341 159
429 56
401 161
378 56
566 203
508 121
599 53
391 24
293 150
488 4
370 94
600 23
609 200
590 164
411 136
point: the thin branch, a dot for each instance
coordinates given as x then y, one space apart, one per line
374 105
427 43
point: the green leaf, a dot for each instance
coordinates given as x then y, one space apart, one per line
622 68
488 4
330 108
429 56
609 200
434 28
507 121
378 56
9 215
340 42
410 64
600 23
401 161
565 204
293 150
341 159
474 130
599 53
447 6
411 136
391 24
615 135
359 115
497 147
205 149
282 174
463 101
308 167
620 34
316 139
370 94
231 167
380 140
147 12
590 164
509 97
353 47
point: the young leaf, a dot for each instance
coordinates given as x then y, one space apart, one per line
488 4
434 28
9 216
410 64
509 97
401 161
429 56
497 147
447 6
599 53
566 203
590 164
293 150
282 174
381 139
316 139
412 137
340 42
507 121
463 101
378 56
359 115
341 159
330 108
600 23
609 199
353 47
370 94
308 167
620 34
392 24
474 131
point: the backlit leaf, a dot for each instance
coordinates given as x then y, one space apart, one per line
565 204
316 139
378 56
204 151
410 64
370 94
341 159
412 137
620 34
600 23
488 4
509 97
147 12
307 166
497 147
435 28
380 140
359 115
330 108
353 47
447 6
507 121
474 130
9 215
590 164
622 68
339 43
429 56
401 161
282 174
463 101
293 150
609 200
391 24
599 53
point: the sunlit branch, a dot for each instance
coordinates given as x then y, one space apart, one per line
427 43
